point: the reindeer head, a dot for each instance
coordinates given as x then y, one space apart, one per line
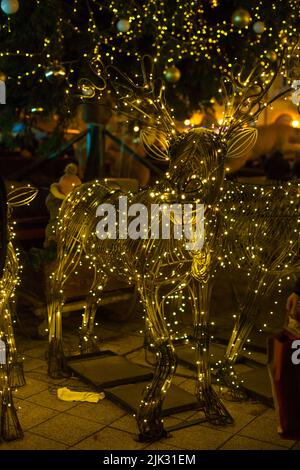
197 157
197 164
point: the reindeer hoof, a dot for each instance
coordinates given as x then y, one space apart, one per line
214 409
227 377
152 436
88 345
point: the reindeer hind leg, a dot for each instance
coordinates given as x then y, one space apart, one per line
214 409
149 416
88 342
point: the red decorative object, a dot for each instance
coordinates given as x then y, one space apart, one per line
285 380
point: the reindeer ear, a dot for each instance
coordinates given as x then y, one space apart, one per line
241 142
21 196
155 143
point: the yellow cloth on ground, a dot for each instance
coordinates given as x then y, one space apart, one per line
66 394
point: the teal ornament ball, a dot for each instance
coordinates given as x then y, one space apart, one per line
172 74
55 73
123 25
10 7
271 56
259 27
241 18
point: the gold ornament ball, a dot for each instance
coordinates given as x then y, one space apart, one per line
37 110
271 56
87 91
55 73
3 76
172 74
241 18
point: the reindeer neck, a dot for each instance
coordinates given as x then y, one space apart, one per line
191 184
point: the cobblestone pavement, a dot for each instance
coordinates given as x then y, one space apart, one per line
49 423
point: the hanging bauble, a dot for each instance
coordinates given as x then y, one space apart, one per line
10 6
123 25
55 73
3 76
271 56
36 110
241 18
172 74
88 91
254 90
259 27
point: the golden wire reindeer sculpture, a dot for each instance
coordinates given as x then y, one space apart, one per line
11 368
158 266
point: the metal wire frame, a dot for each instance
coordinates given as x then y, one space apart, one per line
196 174
11 369
261 227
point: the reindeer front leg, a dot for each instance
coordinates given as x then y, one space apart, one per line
56 358
10 427
149 416
15 365
7 288
215 411
88 342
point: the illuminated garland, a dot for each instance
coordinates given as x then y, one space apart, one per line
197 31
162 267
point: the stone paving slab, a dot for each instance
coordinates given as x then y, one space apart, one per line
53 424
265 429
67 429
33 441
198 437
49 400
105 412
32 387
31 414
112 439
244 443
31 363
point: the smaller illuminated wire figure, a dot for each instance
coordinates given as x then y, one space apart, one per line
11 368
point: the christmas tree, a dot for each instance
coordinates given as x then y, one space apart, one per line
53 52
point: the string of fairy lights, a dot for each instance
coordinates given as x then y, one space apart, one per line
261 247
197 39
177 30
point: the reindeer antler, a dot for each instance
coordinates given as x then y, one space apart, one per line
146 99
246 99
146 103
